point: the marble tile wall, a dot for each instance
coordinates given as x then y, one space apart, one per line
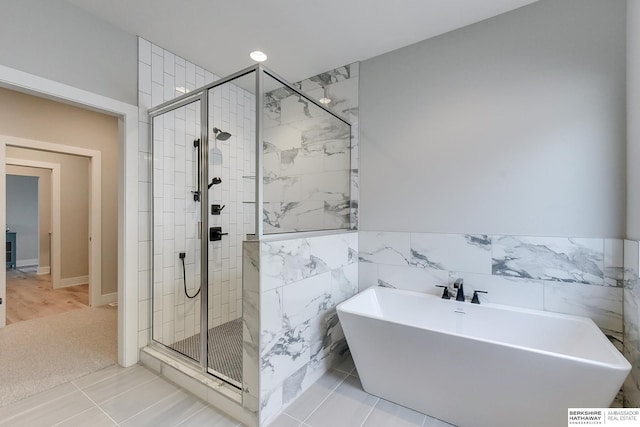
310 164
574 276
301 282
631 322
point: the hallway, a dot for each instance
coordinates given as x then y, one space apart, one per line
31 295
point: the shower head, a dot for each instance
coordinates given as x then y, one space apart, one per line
221 135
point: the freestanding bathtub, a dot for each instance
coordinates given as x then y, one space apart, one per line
479 365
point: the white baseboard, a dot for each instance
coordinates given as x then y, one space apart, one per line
44 270
26 262
73 281
107 299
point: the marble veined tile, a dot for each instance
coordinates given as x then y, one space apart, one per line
631 264
513 291
271 320
335 250
614 262
282 138
459 252
337 214
283 187
333 185
413 278
572 260
603 304
306 299
287 261
329 78
367 275
344 283
392 248
343 95
284 355
270 403
307 215
296 108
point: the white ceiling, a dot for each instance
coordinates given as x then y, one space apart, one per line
301 37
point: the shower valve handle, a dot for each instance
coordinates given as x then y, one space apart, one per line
215 234
216 209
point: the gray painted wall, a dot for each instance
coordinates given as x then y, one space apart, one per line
514 125
58 41
22 217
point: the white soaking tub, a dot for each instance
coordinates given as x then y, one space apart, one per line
479 365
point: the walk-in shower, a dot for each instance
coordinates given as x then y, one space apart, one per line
243 157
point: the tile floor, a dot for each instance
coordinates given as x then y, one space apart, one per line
137 396
134 396
337 400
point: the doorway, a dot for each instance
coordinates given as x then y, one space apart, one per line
36 285
33 153
127 195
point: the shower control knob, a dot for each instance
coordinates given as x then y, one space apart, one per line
215 234
216 209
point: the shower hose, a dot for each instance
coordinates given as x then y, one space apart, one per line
184 281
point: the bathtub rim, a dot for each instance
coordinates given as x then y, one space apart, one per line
622 365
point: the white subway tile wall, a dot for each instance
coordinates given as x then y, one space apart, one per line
162 77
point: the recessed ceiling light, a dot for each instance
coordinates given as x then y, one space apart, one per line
258 56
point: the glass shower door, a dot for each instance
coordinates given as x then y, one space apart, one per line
231 136
176 317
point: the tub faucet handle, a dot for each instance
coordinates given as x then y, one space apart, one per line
458 285
445 292
475 299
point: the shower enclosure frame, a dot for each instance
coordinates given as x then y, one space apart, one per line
202 95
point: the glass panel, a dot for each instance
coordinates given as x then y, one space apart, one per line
307 163
176 246
232 198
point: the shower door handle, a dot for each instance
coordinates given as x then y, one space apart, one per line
215 234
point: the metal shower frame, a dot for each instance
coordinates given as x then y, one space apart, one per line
201 94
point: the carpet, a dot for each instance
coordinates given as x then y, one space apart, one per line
38 354
225 348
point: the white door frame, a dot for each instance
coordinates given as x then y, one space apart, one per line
55 210
127 115
95 208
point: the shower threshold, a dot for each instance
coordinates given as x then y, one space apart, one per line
224 353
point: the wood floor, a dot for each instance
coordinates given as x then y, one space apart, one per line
30 296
